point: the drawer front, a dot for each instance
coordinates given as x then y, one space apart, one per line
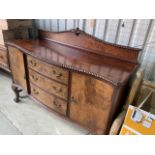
3 58
49 100
51 71
48 85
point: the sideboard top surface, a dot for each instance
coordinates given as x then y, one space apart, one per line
104 66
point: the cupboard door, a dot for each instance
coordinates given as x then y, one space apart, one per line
17 67
90 102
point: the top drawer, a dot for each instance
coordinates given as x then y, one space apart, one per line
48 70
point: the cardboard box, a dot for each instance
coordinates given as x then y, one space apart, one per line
140 120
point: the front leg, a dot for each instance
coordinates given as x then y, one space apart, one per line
16 91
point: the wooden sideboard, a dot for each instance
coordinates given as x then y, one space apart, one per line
74 74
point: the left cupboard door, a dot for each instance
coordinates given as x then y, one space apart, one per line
16 58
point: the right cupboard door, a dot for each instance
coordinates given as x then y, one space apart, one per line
90 102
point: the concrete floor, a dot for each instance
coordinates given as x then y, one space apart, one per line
28 117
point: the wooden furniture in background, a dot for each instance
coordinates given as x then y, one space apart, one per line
136 84
11 29
76 75
8 24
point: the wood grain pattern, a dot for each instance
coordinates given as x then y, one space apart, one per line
80 39
51 86
93 75
110 69
17 67
49 100
90 102
4 58
51 71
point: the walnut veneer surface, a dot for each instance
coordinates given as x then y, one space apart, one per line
74 74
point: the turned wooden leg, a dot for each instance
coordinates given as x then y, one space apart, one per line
16 91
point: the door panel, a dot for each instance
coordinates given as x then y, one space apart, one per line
90 102
17 67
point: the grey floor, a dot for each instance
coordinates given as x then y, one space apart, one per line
28 117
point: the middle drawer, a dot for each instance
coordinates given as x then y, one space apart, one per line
51 86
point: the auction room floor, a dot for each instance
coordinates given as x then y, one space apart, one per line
28 117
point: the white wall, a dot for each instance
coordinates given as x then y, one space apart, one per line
129 32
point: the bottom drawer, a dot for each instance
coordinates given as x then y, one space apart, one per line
3 58
49 100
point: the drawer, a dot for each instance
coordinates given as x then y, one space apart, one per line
48 70
3 58
48 85
49 100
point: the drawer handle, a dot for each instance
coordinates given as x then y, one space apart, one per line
35 91
73 100
59 75
34 78
59 91
1 57
33 63
56 104
54 72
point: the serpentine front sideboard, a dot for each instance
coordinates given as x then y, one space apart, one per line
74 74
